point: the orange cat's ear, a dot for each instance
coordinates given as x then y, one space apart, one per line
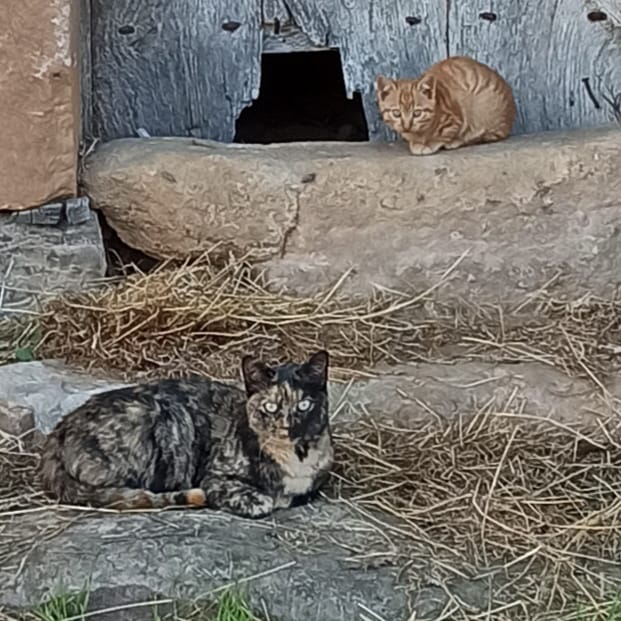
384 86
427 86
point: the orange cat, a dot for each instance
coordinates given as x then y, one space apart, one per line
456 102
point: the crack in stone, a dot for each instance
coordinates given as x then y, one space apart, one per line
290 230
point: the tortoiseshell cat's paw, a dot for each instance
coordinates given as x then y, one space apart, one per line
238 498
249 504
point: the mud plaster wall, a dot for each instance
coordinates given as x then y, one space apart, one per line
39 101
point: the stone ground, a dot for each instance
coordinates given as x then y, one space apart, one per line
307 563
527 215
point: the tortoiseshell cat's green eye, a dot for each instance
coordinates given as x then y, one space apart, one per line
305 405
270 407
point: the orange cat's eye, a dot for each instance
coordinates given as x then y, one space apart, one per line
396 113
417 112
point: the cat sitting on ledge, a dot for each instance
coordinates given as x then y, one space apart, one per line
456 102
198 442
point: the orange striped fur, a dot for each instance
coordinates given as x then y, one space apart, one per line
456 102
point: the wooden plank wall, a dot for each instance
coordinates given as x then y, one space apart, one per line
560 64
188 67
173 67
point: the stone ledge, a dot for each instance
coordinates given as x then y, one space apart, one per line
50 390
531 212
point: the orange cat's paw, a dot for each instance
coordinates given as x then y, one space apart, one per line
423 149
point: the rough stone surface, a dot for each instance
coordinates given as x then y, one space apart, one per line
15 420
39 102
401 394
188 555
283 562
38 260
531 212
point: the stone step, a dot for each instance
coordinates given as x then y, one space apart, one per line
47 390
45 251
281 562
533 213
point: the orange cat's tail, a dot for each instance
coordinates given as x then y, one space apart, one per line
69 490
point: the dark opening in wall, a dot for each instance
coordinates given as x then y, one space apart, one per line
302 97
121 259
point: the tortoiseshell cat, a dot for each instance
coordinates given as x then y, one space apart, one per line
456 102
198 442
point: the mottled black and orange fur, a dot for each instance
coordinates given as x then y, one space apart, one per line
198 442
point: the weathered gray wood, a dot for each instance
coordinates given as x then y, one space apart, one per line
86 86
560 64
288 39
394 38
188 67
174 67
272 10
611 7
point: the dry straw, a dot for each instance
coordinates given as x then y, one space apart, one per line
527 510
199 317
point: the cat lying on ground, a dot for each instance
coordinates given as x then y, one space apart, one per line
198 442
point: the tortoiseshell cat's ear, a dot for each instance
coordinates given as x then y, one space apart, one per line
257 375
315 369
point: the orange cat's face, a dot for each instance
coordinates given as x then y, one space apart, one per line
407 106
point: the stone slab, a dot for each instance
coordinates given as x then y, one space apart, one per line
38 260
283 562
533 212
188 555
39 102
396 394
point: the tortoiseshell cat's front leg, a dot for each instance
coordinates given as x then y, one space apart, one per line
236 496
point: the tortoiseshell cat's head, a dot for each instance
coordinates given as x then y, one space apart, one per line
288 402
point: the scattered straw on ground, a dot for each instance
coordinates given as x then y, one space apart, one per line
529 508
21 499
197 317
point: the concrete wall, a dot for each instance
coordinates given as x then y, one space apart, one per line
39 101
